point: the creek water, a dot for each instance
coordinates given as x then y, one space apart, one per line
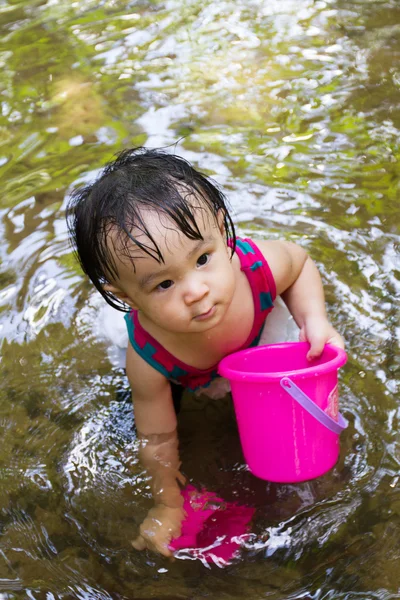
293 106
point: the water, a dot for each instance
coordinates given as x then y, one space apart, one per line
292 106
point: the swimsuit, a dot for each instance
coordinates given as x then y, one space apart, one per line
262 284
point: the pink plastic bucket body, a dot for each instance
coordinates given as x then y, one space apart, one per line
281 441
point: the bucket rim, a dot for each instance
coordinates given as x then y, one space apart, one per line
232 374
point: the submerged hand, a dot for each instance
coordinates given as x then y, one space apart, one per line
161 525
318 332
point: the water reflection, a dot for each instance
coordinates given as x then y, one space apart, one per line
294 108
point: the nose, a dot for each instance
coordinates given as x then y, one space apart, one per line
195 290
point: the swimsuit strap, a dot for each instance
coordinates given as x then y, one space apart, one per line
262 284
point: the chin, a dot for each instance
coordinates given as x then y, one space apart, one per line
215 321
203 328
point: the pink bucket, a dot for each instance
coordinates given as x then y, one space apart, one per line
287 409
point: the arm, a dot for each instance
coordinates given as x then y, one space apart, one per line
158 452
299 283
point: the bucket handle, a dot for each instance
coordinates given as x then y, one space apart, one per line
297 394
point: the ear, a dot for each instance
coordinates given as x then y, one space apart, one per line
120 294
221 221
222 230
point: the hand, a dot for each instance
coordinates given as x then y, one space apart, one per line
318 332
161 525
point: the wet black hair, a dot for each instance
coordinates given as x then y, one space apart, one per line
138 180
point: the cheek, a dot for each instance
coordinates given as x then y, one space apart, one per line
164 305
232 282
226 277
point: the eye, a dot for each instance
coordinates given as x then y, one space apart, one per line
165 285
203 259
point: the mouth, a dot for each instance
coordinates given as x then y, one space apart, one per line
206 315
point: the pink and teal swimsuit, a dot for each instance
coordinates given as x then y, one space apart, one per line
262 284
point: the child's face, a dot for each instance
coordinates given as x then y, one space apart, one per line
192 290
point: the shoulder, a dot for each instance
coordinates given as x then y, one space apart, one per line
280 251
285 260
143 378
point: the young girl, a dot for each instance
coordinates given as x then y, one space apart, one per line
156 239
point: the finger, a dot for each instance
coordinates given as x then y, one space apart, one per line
302 336
139 543
317 345
163 549
181 478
